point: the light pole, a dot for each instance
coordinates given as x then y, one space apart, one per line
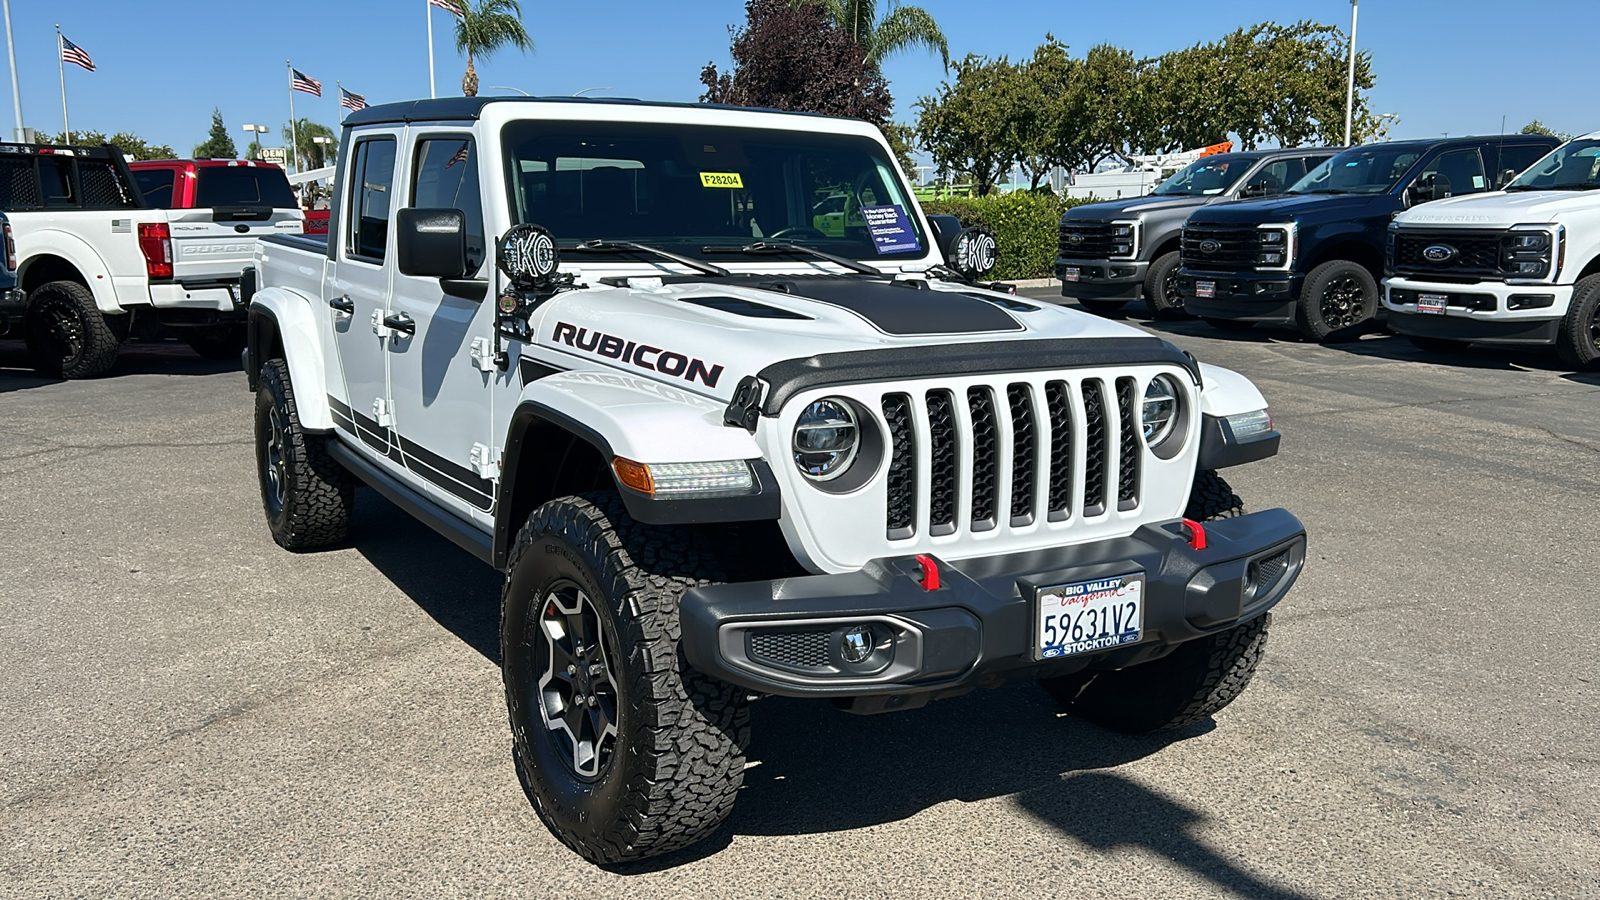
256 130
322 141
16 93
1350 95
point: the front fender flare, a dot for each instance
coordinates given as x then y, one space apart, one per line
282 324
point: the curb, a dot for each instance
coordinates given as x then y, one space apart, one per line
1033 282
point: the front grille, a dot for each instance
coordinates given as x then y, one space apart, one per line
1056 429
789 649
1476 252
1085 240
1235 247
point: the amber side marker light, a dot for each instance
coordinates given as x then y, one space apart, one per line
634 475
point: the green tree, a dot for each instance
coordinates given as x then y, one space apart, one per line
1538 127
132 146
309 153
484 27
218 144
902 28
971 126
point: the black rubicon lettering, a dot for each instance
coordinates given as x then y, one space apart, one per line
655 359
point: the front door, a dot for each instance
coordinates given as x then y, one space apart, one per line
441 389
357 289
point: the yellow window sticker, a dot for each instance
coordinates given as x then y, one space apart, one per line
721 180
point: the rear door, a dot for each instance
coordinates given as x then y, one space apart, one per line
234 204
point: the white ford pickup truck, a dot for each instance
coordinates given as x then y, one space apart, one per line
93 258
720 453
1518 266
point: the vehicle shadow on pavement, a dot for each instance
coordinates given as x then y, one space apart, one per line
444 581
137 358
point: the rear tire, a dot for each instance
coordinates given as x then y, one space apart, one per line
307 496
216 342
67 337
651 758
1578 341
1437 345
1338 297
1161 292
1102 307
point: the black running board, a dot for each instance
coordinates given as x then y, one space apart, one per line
462 533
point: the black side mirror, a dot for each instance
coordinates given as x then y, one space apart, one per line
945 231
431 243
1424 189
1255 189
1508 176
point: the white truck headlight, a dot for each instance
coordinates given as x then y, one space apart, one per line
1160 415
1250 425
826 438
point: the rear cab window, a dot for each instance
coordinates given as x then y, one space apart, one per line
243 186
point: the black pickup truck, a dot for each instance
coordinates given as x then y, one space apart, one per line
1312 257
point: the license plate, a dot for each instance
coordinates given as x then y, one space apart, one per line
1070 273
1086 616
1432 303
1205 288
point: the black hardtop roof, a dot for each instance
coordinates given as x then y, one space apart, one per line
1429 143
1252 155
470 108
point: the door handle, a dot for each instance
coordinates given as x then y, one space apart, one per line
400 322
343 304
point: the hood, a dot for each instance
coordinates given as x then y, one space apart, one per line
1502 210
1293 206
708 334
1118 209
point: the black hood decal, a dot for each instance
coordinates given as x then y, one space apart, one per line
906 307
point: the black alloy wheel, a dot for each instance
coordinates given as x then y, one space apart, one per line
576 694
1338 296
1169 290
57 328
1343 303
66 334
1578 340
274 470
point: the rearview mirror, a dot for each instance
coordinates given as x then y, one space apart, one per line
431 243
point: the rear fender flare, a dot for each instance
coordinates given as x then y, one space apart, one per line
34 245
282 325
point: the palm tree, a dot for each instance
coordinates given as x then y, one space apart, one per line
484 27
902 28
311 154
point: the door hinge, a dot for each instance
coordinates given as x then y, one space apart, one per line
484 463
381 413
378 327
483 354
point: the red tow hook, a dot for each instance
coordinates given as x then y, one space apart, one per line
1197 534
930 573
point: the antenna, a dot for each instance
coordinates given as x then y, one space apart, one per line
1500 155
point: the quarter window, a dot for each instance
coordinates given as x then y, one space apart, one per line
370 192
447 178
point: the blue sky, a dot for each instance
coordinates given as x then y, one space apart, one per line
1452 66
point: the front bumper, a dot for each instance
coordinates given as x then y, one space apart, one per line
1246 296
1102 279
786 637
1492 312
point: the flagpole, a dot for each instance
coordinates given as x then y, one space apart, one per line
338 91
61 62
428 10
294 130
16 93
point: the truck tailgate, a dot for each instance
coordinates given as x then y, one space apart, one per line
216 244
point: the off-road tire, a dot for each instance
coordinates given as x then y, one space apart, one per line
1230 324
318 494
1338 297
1161 292
1212 498
217 342
677 760
1102 307
1437 345
1578 341
67 337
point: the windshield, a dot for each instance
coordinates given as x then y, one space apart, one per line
1203 177
684 188
1570 167
242 186
1359 170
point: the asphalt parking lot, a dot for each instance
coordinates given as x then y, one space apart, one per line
187 710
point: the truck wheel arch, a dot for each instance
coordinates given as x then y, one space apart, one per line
78 264
1592 267
277 314
1356 251
583 466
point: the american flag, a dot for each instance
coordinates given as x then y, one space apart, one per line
74 54
351 101
460 157
449 5
301 82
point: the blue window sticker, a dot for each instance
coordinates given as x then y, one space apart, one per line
890 229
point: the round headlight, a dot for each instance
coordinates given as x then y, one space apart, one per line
825 439
1160 409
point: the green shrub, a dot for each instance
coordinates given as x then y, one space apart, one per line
1025 224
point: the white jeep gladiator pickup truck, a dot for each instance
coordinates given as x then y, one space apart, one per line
93 258
719 453
1518 266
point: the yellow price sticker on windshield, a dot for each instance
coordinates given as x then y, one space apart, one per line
721 180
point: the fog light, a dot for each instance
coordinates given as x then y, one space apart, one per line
856 644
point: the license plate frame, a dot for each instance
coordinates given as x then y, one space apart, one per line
1433 304
1105 612
1205 289
1071 273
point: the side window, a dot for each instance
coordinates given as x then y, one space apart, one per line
1518 159
371 184
1298 166
156 185
1455 173
447 178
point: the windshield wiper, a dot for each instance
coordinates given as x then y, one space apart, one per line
604 246
768 247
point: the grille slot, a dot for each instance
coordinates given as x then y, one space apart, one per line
902 511
985 457
789 649
1477 252
1094 438
1085 240
1237 248
942 463
1060 406
1024 454
1128 447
